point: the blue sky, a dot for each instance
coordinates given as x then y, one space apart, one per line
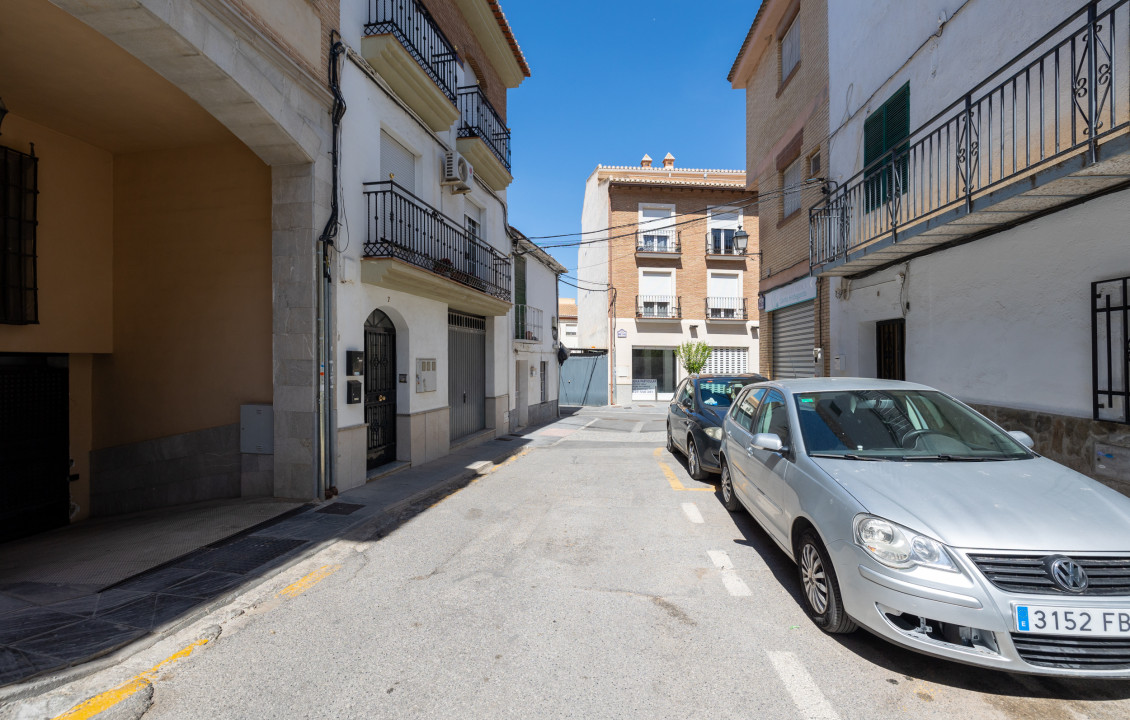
613 80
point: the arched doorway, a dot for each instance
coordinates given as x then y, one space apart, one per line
380 388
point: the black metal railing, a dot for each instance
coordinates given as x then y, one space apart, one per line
657 241
528 323
478 118
1110 349
410 23
722 244
658 306
1058 98
725 308
404 227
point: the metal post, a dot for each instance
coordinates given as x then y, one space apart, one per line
1092 75
968 154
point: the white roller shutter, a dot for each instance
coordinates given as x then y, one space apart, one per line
727 361
399 161
793 333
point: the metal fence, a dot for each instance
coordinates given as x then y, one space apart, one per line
529 323
657 241
722 244
410 23
480 119
1110 349
404 227
725 308
658 306
1059 97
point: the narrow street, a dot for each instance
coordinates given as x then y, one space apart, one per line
588 577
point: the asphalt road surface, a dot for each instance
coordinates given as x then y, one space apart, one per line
591 578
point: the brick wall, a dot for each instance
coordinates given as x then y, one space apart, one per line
690 265
458 32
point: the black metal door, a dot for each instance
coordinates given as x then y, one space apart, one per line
34 438
380 388
890 349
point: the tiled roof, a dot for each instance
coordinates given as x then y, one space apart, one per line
736 185
745 43
509 33
664 171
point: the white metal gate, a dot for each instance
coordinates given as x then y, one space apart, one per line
793 333
466 373
727 361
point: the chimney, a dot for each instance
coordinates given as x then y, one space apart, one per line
646 161
668 161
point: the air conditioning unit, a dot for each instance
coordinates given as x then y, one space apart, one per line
457 173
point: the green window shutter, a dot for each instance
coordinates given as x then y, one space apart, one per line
519 280
897 118
874 140
885 129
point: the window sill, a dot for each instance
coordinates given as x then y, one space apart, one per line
788 78
787 219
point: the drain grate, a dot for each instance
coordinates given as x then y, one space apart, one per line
340 508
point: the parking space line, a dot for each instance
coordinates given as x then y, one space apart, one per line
734 584
692 513
809 701
672 479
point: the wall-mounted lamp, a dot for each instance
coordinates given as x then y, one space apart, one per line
741 240
3 111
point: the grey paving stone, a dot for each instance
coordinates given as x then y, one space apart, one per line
9 603
241 556
46 593
18 664
205 585
151 611
24 624
156 580
80 640
98 603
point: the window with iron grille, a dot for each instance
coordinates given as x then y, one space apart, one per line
19 294
890 349
886 130
1110 349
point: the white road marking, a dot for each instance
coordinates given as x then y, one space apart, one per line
638 428
734 584
692 513
806 696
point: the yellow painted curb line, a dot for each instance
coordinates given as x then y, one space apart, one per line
110 698
673 479
303 584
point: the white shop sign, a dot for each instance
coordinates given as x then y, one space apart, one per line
800 291
644 388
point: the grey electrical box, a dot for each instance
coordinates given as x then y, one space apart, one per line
256 429
425 374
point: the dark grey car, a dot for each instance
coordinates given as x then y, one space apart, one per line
694 418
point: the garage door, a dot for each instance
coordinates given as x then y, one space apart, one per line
727 361
466 373
793 332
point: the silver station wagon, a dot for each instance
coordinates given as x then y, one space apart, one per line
912 515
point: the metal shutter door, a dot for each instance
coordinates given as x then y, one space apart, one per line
793 333
727 361
466 372
399 161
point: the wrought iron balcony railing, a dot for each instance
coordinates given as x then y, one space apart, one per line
722 243
528 323
1058 98
725 308
403 226
478 118
658 307
410 23
657 241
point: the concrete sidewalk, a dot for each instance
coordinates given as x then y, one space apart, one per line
45 644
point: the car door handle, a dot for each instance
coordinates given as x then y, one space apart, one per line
749 451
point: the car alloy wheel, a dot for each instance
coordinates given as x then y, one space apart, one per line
729 500
670 441
813 578
694 465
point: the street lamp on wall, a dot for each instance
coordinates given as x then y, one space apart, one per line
741 240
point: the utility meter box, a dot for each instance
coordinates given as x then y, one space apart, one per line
425 374
256 429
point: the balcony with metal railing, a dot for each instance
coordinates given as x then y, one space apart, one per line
1046 129
484 138
404 44
657 244
529 323
422 251
658 307
721 309
721 246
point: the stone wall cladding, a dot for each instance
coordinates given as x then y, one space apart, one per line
328 12
774 114
455 27
173 470
1067 440
691 264
540 413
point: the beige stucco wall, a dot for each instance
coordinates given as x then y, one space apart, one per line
192 294
74 241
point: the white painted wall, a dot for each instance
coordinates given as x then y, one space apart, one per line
541 293
1005 320
875 46
592 267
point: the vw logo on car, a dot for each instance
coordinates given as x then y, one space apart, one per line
1067 574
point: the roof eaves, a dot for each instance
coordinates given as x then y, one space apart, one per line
745 43
508 32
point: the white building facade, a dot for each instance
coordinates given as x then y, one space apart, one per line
975 229
536 335
423 293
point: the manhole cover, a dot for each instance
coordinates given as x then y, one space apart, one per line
340 508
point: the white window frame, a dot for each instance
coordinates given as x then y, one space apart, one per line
713 223
672 288
710 274
790 198
661 229
790 49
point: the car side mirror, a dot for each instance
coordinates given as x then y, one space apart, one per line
768 441
1023 438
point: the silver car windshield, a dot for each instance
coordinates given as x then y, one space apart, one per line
899 425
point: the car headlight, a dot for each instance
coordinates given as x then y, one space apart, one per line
899 547
714 433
